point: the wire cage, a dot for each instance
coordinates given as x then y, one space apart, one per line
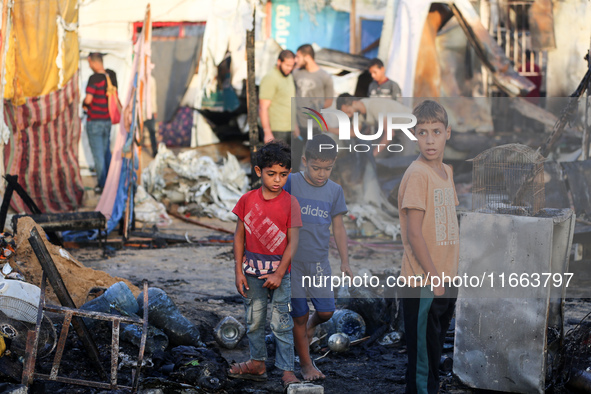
508 179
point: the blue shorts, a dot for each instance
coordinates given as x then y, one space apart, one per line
311 280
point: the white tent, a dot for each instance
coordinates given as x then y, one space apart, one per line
106 26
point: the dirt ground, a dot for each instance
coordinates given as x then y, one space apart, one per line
200 280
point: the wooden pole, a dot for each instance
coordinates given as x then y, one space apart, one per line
485 18
3 42
3 32
587 125
268 19
137 124
353 28
251 98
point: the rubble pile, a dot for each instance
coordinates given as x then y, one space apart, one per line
193 178
570 369
78 279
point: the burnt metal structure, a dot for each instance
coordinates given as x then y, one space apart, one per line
74 316
14 186
510 325
76 221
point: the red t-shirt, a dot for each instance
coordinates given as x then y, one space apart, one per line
266 223
97 86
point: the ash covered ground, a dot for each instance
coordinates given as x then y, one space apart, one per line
200 280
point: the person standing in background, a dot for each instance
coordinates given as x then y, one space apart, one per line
98 123
275 93
316 86
381 86
150 121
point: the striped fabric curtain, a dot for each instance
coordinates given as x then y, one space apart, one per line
43 149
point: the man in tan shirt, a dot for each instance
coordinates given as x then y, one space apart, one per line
275 93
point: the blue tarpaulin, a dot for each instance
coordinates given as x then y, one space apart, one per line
292 27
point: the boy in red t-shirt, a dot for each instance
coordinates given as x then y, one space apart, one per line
265 236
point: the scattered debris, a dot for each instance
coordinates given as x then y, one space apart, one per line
305 388
344 321
384 223
446 364
229 332
77 278
148 210
578 175
191 177
198 223
570 367
51 274
339 342
116 299
391 339
131 362
156 340
74 316
164 315
201 367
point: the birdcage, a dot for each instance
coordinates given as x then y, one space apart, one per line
508 179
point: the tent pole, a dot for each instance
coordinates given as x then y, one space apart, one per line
587 124
251 98
4 31
353 28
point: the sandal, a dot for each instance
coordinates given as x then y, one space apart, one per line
289 381
245 371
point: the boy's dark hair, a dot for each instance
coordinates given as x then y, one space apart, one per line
344 99
306 49
313 151
430 111
285 54
96 56
274 152
375 62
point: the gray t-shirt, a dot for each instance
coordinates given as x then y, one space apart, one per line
388 89
314 88
318 205
316 84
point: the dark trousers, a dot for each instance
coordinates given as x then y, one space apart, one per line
150 124
426 320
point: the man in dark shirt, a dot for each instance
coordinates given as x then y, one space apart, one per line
98 123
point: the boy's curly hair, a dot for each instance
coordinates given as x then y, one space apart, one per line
274 152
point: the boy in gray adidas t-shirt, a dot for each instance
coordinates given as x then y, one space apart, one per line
322 204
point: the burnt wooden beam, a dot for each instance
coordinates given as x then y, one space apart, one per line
66 221
13 185
13 181
5 205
